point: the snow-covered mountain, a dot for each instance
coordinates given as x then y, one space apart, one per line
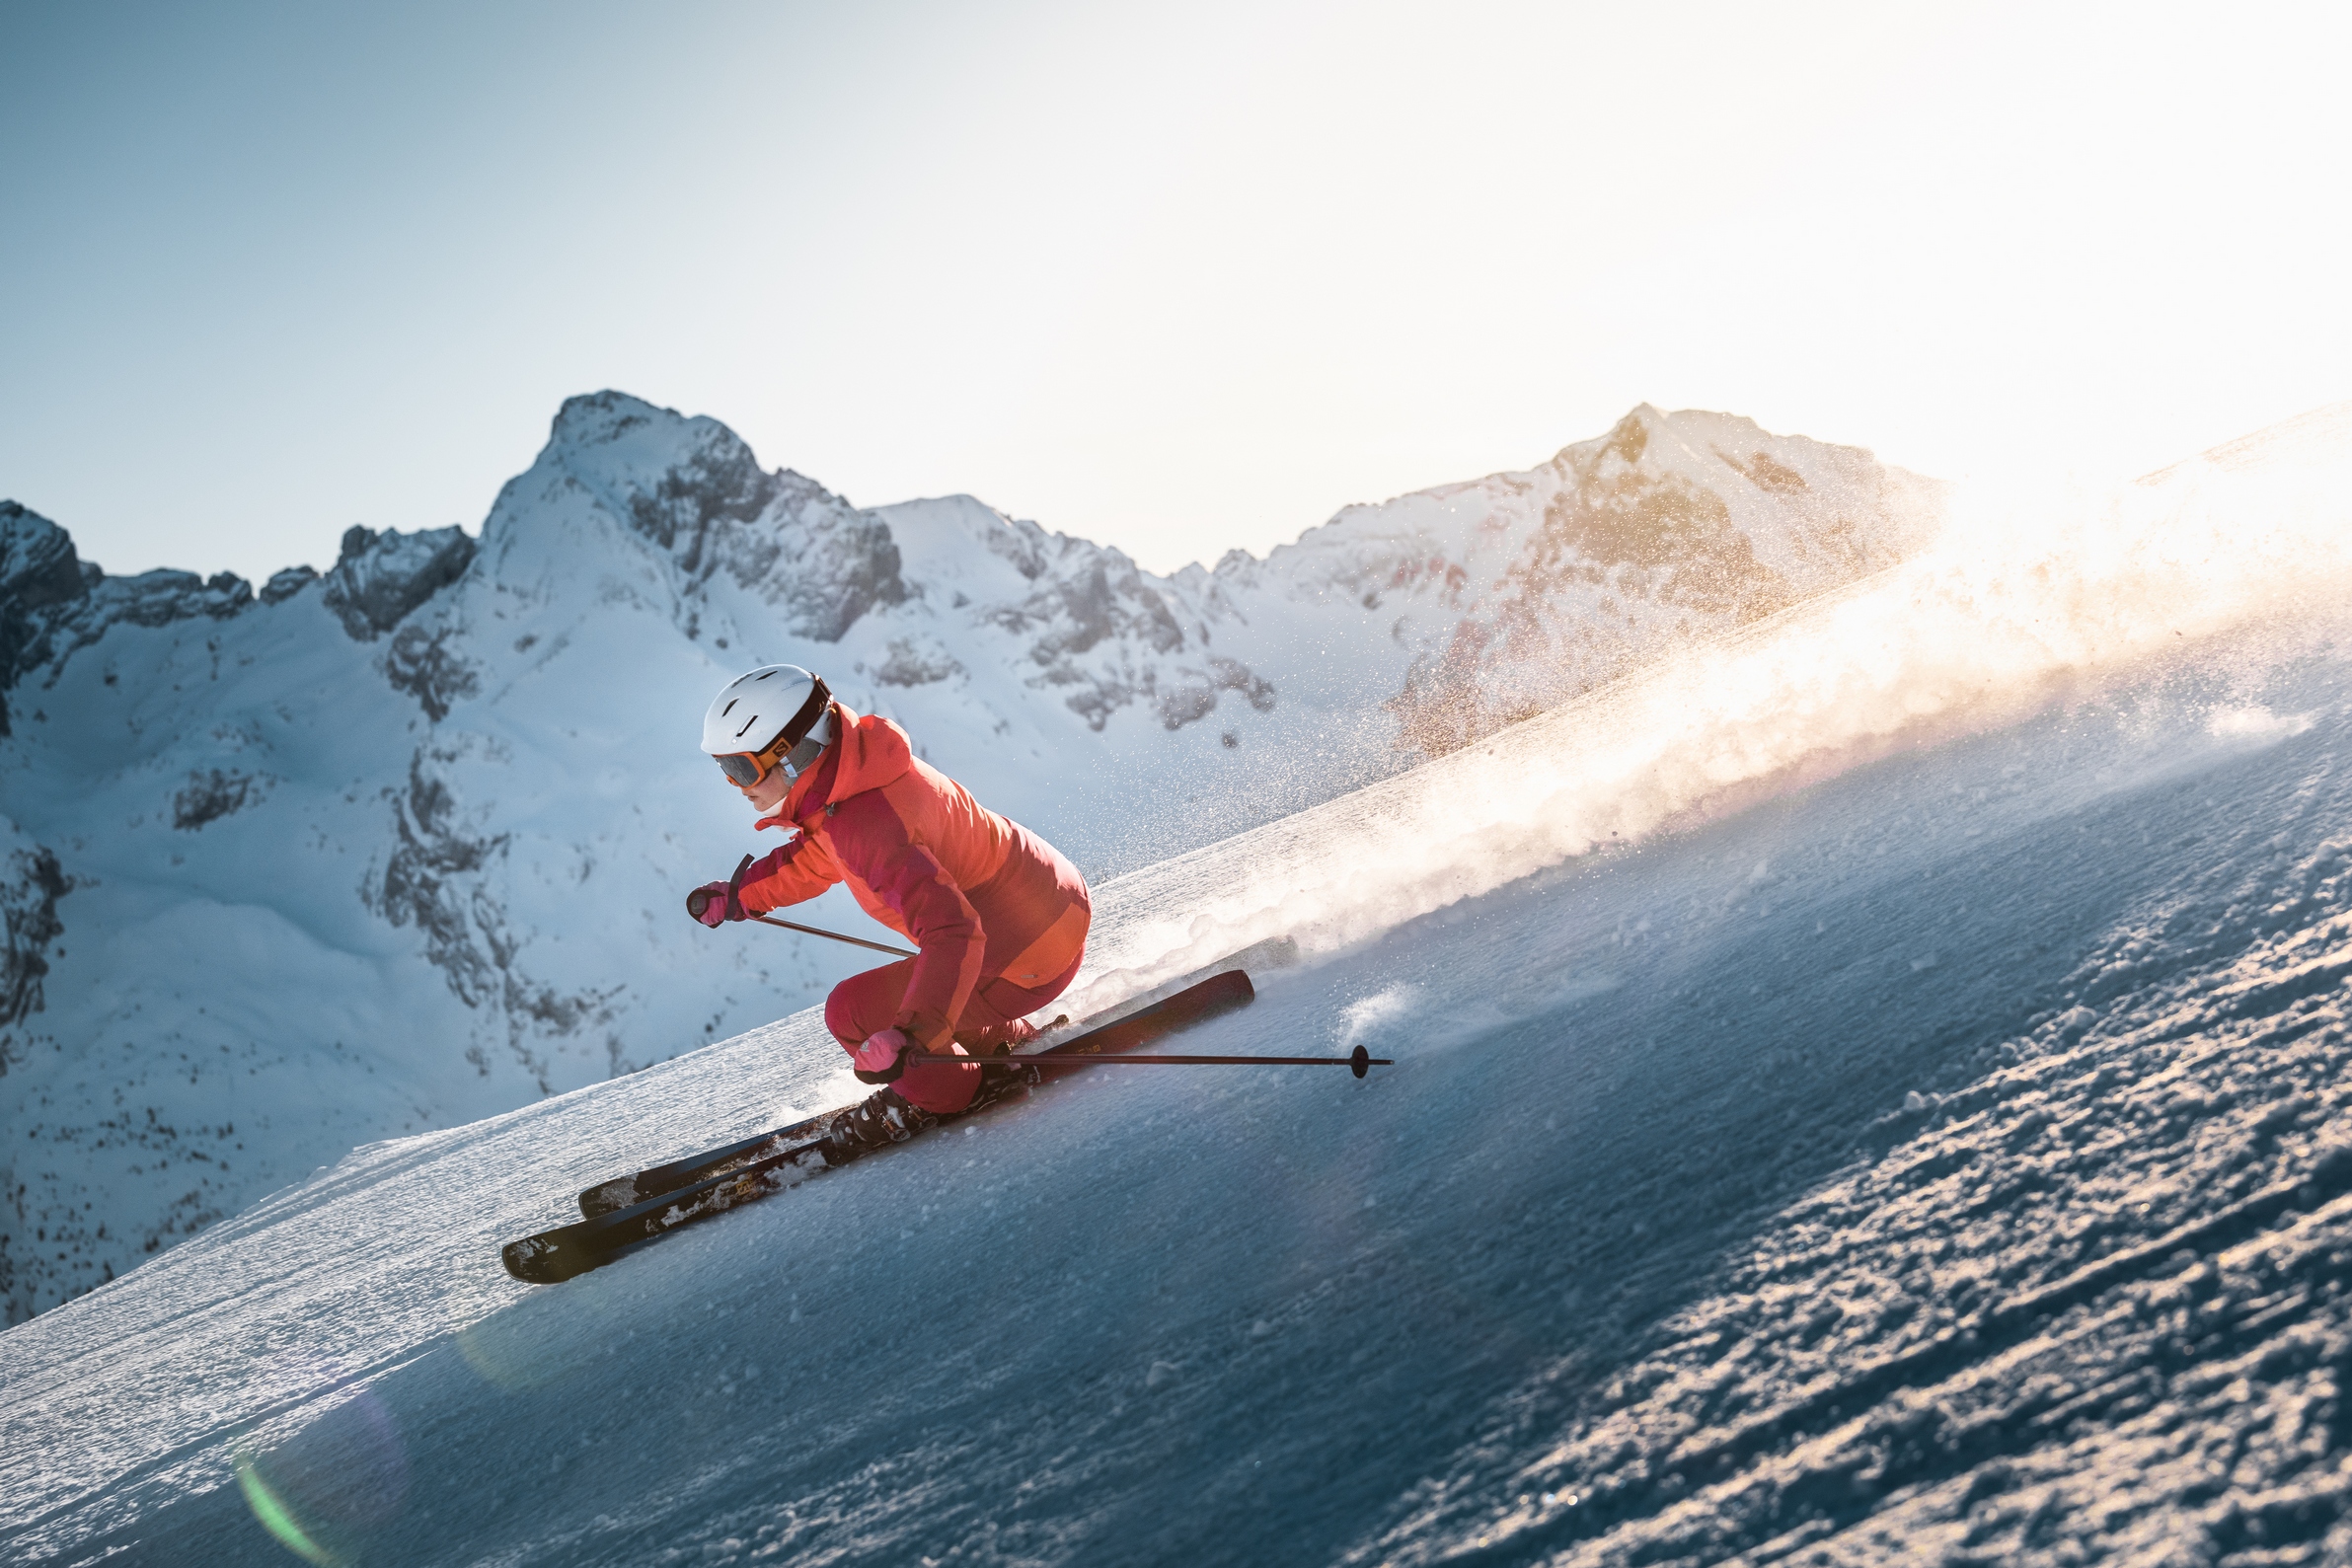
1871 1089
402 845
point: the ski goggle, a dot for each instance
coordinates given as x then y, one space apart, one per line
745 768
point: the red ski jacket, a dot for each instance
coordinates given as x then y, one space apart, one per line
979 895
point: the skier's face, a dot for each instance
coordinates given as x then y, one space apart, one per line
770 791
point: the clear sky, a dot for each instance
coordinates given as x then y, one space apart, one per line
1177 277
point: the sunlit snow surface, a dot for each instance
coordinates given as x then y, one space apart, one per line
1866 1094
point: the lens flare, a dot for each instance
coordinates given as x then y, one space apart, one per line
323 1489
275 1516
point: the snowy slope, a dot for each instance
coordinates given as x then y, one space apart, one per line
403 846
1870 1091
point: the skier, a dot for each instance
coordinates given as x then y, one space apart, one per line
998 917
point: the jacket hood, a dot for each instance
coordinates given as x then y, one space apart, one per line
868 752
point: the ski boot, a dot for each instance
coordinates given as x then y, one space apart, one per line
879 1120
1003 1080
1003 1076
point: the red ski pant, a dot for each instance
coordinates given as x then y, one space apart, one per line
863 1006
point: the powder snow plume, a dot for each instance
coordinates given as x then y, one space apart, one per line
2018 602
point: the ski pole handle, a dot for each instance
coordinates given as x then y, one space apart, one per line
696 902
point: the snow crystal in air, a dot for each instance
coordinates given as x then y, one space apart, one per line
2255 724
1360 1019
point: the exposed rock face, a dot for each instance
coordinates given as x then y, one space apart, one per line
1179 706
39 571
404 844
913 663
1090 601
51 602
1643 533
38 564
433 880
30 883
211 796
425 664
288 583
381 577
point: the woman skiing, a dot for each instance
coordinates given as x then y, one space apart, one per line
998 917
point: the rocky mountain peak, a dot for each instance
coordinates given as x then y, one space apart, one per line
694 490
37 563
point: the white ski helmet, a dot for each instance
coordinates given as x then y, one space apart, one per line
779 715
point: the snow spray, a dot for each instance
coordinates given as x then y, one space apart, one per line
2018 603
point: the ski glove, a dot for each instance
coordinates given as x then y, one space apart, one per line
882 1057
717 903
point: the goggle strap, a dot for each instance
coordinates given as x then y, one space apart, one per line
806 720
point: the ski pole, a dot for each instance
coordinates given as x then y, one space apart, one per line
1357 1062
698 901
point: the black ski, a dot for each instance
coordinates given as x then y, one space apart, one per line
632 1209
622 1191
1191 1005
